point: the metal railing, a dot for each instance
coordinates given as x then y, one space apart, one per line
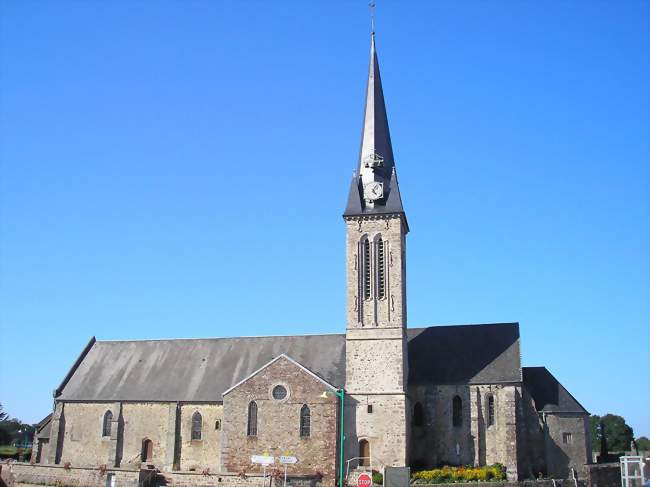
373 463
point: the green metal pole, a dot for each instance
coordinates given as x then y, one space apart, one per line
341 394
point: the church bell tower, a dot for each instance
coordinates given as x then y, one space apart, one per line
376 352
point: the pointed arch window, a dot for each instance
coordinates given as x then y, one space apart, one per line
418 415
457 411
490 410
366 281
107 424
252 419
305 421
197 425
381 269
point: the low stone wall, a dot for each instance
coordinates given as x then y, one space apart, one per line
23 474
604 475
26 475
194 479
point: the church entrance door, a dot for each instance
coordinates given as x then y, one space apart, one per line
364 453
147 450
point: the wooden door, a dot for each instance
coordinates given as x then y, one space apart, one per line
364 453
147 450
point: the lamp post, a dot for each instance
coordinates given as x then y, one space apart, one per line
341 395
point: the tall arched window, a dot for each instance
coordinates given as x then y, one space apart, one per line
381 269
366 281
305 421
457 411
252 419
490 410
418 415
107 424
197 425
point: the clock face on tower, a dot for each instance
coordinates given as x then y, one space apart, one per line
373 191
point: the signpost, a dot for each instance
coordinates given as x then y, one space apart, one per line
364 480
264 460
287 460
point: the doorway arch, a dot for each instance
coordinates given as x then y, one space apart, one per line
364 453
147 450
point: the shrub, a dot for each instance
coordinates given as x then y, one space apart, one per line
447 474
377 478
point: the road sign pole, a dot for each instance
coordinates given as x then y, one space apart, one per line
285 475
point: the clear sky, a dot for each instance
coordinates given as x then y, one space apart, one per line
179 169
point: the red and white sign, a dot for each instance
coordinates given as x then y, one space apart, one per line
364 480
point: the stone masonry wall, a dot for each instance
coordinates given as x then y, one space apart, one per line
561 456
439 442
376 350
22 474
391 310
83 443
384 428
530 433
148 421
206 452
278 422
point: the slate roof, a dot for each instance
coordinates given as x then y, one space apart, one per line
202 369
549 395
464 354
43 427
375 142
194 369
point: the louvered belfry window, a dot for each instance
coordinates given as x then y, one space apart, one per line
381 269
366 268
252 419
197 425
305 421
107 424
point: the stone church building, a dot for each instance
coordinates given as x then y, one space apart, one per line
419 397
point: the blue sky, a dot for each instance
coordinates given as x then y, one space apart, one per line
179 169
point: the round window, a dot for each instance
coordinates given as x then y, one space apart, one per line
279 392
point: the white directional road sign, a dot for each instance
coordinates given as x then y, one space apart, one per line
262 459
287 460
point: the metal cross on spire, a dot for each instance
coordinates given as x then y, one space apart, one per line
371 6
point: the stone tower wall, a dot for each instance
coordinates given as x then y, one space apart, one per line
376 352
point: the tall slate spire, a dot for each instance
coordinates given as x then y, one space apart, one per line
374 188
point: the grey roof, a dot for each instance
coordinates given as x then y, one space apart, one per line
375 142
464 354
194 369
549 395
202 369
43 427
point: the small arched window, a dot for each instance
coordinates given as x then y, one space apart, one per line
490 410
418 415
252 419
365 248
107 423
305 421
197 425
217 424
457 411
381 269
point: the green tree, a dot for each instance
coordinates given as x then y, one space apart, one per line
643 443
12 429
618 434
